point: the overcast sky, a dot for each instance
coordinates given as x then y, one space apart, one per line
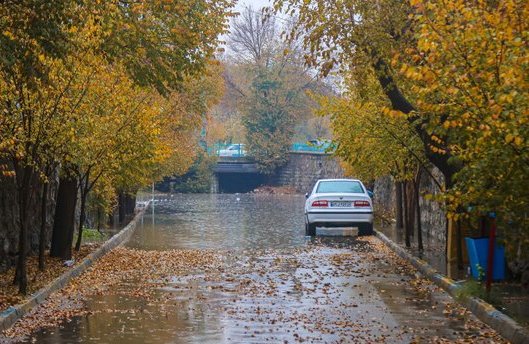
241 5
256 4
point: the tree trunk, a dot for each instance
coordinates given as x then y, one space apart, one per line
411 208
406 215
99 216
130 203
24 177
21 276
409 211
64 224
416 185
398 204
400 103
459 246
82 218
126 205
121 207
42 236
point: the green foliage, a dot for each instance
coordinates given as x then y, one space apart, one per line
271 82
30 30
111 91
452 72
357 40
163 42
269 123
470 79
92 234
198 178
372 143
473 288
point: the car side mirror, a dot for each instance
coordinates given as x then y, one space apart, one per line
307 195
370 193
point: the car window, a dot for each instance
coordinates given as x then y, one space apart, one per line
339 186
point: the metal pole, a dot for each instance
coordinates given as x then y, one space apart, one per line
459 238
490 256
483 225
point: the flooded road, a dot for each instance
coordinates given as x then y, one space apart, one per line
224 222
238 269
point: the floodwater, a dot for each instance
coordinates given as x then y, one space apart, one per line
275 284
223 221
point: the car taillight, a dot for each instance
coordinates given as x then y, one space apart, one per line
320 203
362 204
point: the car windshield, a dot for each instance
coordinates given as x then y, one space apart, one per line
339 186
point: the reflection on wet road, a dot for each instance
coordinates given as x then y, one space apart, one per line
214 269
223 221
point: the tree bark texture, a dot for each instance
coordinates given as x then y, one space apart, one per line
42 235
411 207
84 183
406 215
25 177
130 200
121 207
417 184
126 205
64 224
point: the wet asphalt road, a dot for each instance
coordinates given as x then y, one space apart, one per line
214 269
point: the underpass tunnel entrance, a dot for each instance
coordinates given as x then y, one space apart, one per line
239 182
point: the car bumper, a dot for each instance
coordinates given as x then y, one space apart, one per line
340 217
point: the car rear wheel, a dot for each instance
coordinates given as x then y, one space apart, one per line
366 229
310 229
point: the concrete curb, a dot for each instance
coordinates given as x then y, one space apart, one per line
13 313
503 324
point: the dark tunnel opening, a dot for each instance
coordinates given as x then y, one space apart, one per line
239 182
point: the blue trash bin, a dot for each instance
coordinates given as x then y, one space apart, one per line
478 249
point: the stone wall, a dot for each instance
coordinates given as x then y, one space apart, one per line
433 217
384 199
9 219
304 169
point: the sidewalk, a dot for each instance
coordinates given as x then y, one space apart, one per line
513 300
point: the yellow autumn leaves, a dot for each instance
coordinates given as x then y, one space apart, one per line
469 70
117 93
445 81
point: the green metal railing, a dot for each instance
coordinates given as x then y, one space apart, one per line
238 150
325 147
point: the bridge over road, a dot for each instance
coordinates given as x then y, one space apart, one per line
240 174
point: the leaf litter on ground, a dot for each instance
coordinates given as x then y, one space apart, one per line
314 293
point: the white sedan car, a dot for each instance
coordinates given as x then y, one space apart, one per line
235 150
339 203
